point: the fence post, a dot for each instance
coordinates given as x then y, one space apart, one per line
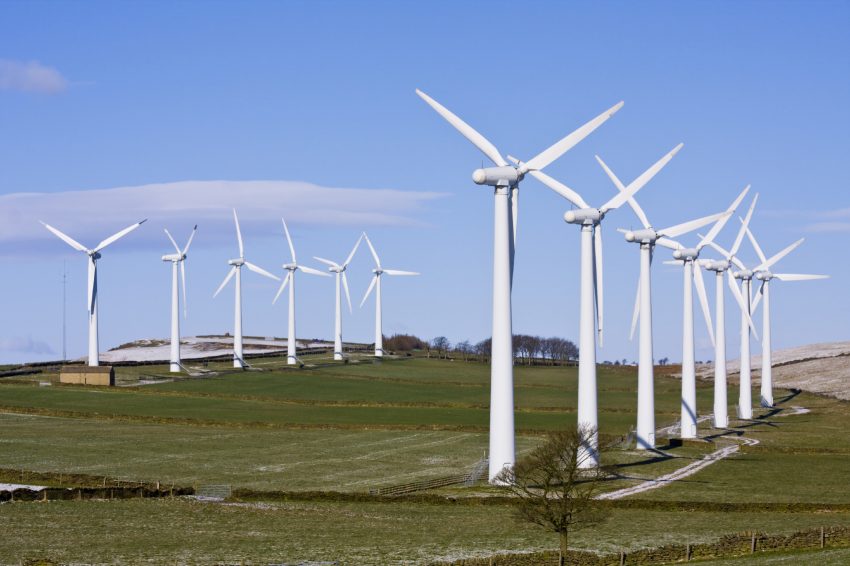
622 558
822 538
753 544
688 552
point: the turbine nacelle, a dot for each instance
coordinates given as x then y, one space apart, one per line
686 253
94 255
646 236
497 176
744 274
764 275
586 216
290 266
717 265
174 257
238 262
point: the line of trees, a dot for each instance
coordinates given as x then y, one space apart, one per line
527 349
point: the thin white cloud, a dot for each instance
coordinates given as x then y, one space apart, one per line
30 76
89 216
25 345
828 227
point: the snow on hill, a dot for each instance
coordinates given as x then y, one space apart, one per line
818 368
193 347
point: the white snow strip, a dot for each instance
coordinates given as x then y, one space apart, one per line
14 486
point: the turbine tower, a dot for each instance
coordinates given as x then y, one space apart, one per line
376 284
647 238
91 303
334 267
236 269
177 259
590 221
688 259
505 181
763 274
292 267
719 267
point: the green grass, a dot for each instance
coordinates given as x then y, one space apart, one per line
353 533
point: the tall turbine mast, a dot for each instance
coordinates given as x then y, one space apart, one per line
376 284
91 296
590 221
505 181
177 259
292 267
339 270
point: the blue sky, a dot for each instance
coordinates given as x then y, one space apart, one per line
317 98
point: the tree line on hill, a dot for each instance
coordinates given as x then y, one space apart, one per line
527 349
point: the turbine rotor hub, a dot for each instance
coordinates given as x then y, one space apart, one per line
238 262
764 275
584 216
497 176
686 254
645 236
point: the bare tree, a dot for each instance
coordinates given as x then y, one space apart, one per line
465 348
554 488
441 344
483 349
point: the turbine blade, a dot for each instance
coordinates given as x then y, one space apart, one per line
639 183
770 262
93 288
229 276
569 141
369 290
699 282
118 235
372 249
353 250
289 241
690 226
740 237
65 238
173 243
718 226
347 294
674 262
238 234
312 271
191 237
282 287
261 271
757 247
597 277
327 261
798 276
668 243
560 188
742 304
757 299
183 278
399 272
635 313
632 202
465 130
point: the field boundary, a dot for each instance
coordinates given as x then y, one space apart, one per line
728 546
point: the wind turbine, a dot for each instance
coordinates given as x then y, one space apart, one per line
590 221
764 275
93 255
334 267
721 411
175 259
648 237
505 181
688 258
292 267
376 284
238 360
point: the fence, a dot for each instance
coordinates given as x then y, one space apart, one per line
467 479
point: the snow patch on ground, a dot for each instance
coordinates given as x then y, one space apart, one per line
14 486
194 347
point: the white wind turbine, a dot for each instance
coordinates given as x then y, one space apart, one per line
175 259
334 267
763 273
238 359
688 258
719 267
93 255
292 267
648 237
590 220
505 181
376 284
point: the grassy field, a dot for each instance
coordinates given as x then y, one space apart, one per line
357 426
